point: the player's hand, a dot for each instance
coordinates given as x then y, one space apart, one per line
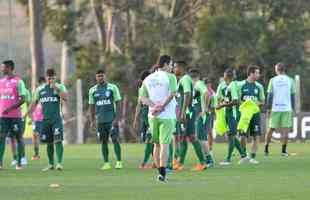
183 117
157 109
115 123
6 111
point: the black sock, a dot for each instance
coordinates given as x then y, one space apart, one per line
267 148
162 171
283 148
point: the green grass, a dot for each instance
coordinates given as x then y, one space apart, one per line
273 179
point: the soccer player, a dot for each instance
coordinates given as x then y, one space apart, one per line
202 111
228 98
12 96
142 113
187 117
50 95
280 103
37 118
250 89
104 101
158 92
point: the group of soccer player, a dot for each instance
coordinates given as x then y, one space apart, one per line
176 105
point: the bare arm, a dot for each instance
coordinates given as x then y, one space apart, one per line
137 113
15 106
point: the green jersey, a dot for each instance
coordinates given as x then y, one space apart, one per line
228 93
185 85
104 98
221 91
199 99
251 91
144 108
50 101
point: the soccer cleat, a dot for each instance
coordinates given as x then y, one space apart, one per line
180 168
24 161
14 162
244 160
253 161
18 167
162 179
119 165
106 166
59 167
48 168
199 167
284 154
35 157
225 163
266 154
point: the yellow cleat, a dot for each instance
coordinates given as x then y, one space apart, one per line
106 166
119 165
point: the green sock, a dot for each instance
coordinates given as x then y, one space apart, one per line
59 152
117 150
20 151
105 152
198 151
2 149
14 156
183 151
36 151
147 152
50 153
240 149
170 156
231 146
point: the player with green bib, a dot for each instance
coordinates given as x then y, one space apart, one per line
250 89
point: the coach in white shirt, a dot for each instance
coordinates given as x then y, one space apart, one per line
281 94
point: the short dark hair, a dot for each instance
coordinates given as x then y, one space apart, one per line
164 59
181 63
144 74
41 80
100 71
50 72
195 73
9 63
229 72
251 69
281 67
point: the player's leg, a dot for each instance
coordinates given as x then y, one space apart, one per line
183 147
47 137
177 145
202 135
255 132
37 125
13 149
286 127
3 129
57 129
103 131
210 135
268 137
166 128
154 129
117 147
144 130
18 132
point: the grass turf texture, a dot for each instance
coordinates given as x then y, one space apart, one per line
274 178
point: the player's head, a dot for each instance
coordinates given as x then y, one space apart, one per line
253 72
180 68
280 68
100 76
41 80
195 74
163 62
50 75
7 67
228 75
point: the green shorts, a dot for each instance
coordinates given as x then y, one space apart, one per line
162 130
178 130
37 127
52 131
11 127
188 128
105 130
202 128
255 126
281 120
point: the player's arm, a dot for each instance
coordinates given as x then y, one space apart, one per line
62 91
33 104
269 96
186 84
137 113
207 100
293 94
262 99
144 97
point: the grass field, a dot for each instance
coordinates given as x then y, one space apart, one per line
275 178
